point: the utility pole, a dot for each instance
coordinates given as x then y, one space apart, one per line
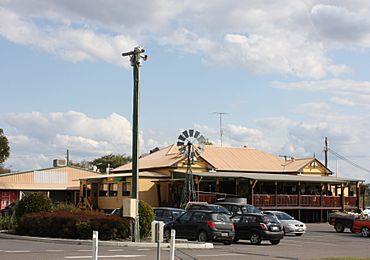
326 151
135 58
221 131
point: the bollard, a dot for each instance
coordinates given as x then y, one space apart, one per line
95 245
157 239
172 244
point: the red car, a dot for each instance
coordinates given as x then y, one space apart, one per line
361 226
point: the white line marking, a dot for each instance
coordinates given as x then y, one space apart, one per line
220 255
116 250
85 250
103 256
19 251
55 250
143 249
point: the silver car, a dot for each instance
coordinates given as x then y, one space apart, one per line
290 224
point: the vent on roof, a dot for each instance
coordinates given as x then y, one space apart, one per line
154 150
59 162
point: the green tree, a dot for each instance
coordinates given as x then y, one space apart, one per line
4 147
112 160
33 202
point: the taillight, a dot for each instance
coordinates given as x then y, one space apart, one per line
232 227
211 224
263 226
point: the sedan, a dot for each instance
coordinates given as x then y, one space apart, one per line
290 225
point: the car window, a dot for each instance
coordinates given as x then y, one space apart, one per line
236 218
283 216
167 214
249 219
199 217
158 213
220 217
270 219
176 213
185 217
250 209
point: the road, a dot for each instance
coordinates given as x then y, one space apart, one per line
320 241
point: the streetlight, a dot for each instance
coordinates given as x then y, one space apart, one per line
135 58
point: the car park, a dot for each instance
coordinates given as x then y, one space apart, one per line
167 214
257 227
290 225
238 208
202 225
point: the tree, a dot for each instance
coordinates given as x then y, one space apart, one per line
4 147
112 160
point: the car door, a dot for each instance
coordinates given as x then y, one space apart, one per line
249 224
182 225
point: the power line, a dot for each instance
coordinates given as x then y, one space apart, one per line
348 161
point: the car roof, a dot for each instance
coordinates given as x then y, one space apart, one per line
169 208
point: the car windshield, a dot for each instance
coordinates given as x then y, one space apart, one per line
250 209
219 208
283 216
177 213
220 217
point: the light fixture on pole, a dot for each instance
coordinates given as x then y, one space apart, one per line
135 58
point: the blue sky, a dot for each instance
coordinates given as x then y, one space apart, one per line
287 77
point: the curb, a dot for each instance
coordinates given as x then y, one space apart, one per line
179 244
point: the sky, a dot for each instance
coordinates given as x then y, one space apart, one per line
286 74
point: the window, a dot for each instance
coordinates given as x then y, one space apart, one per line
113 189
198 217
103 190
158 213
185 217
126 188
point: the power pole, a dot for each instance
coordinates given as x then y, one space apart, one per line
221 131
135 58
326 151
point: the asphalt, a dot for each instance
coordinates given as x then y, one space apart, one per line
179 243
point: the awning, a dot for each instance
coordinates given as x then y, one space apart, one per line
276 177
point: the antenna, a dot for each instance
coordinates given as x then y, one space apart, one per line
221 131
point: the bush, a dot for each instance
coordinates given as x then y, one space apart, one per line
146 217
66 207
75 225
7 223
33 202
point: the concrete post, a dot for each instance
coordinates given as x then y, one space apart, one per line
95 245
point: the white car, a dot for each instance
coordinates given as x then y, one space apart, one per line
290 225
366 211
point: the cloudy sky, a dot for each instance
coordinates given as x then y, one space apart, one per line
287 73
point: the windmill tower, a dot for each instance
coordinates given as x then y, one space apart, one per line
190 144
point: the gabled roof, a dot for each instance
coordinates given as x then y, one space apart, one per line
241 159
163 158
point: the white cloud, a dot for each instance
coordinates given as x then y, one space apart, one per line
38 138
312 107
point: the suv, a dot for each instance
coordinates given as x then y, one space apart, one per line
236 208
206 206
257 227
166 214
202 225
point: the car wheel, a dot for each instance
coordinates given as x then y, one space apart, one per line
299 234
167 235
256 238
284 231
339 227
236 239
202 236
365 232
274 242
228 242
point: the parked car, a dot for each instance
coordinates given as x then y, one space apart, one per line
366 211
362 226
341 221
236 208
167 214
290 225
8 210
207 206
257 227
202 225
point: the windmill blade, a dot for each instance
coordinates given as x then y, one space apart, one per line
180 143
191 132
185 133
196 134
181 138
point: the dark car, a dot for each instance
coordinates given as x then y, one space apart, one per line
167 214
207 206
203 226
8 210
236 208
257 227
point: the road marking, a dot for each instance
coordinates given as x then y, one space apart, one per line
103 256
220 255
18 251
116 250
85 250
55 250
143 249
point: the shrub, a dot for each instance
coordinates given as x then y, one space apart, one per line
146 217
7 222
67 207
76 225
33 202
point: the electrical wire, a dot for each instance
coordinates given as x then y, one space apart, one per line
348 160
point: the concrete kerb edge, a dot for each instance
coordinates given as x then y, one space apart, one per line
193 245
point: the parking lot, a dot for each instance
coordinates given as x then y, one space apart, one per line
320 241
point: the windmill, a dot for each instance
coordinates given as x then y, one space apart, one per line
190 144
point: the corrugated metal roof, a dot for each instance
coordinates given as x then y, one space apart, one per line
223 159
128 174
276 177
